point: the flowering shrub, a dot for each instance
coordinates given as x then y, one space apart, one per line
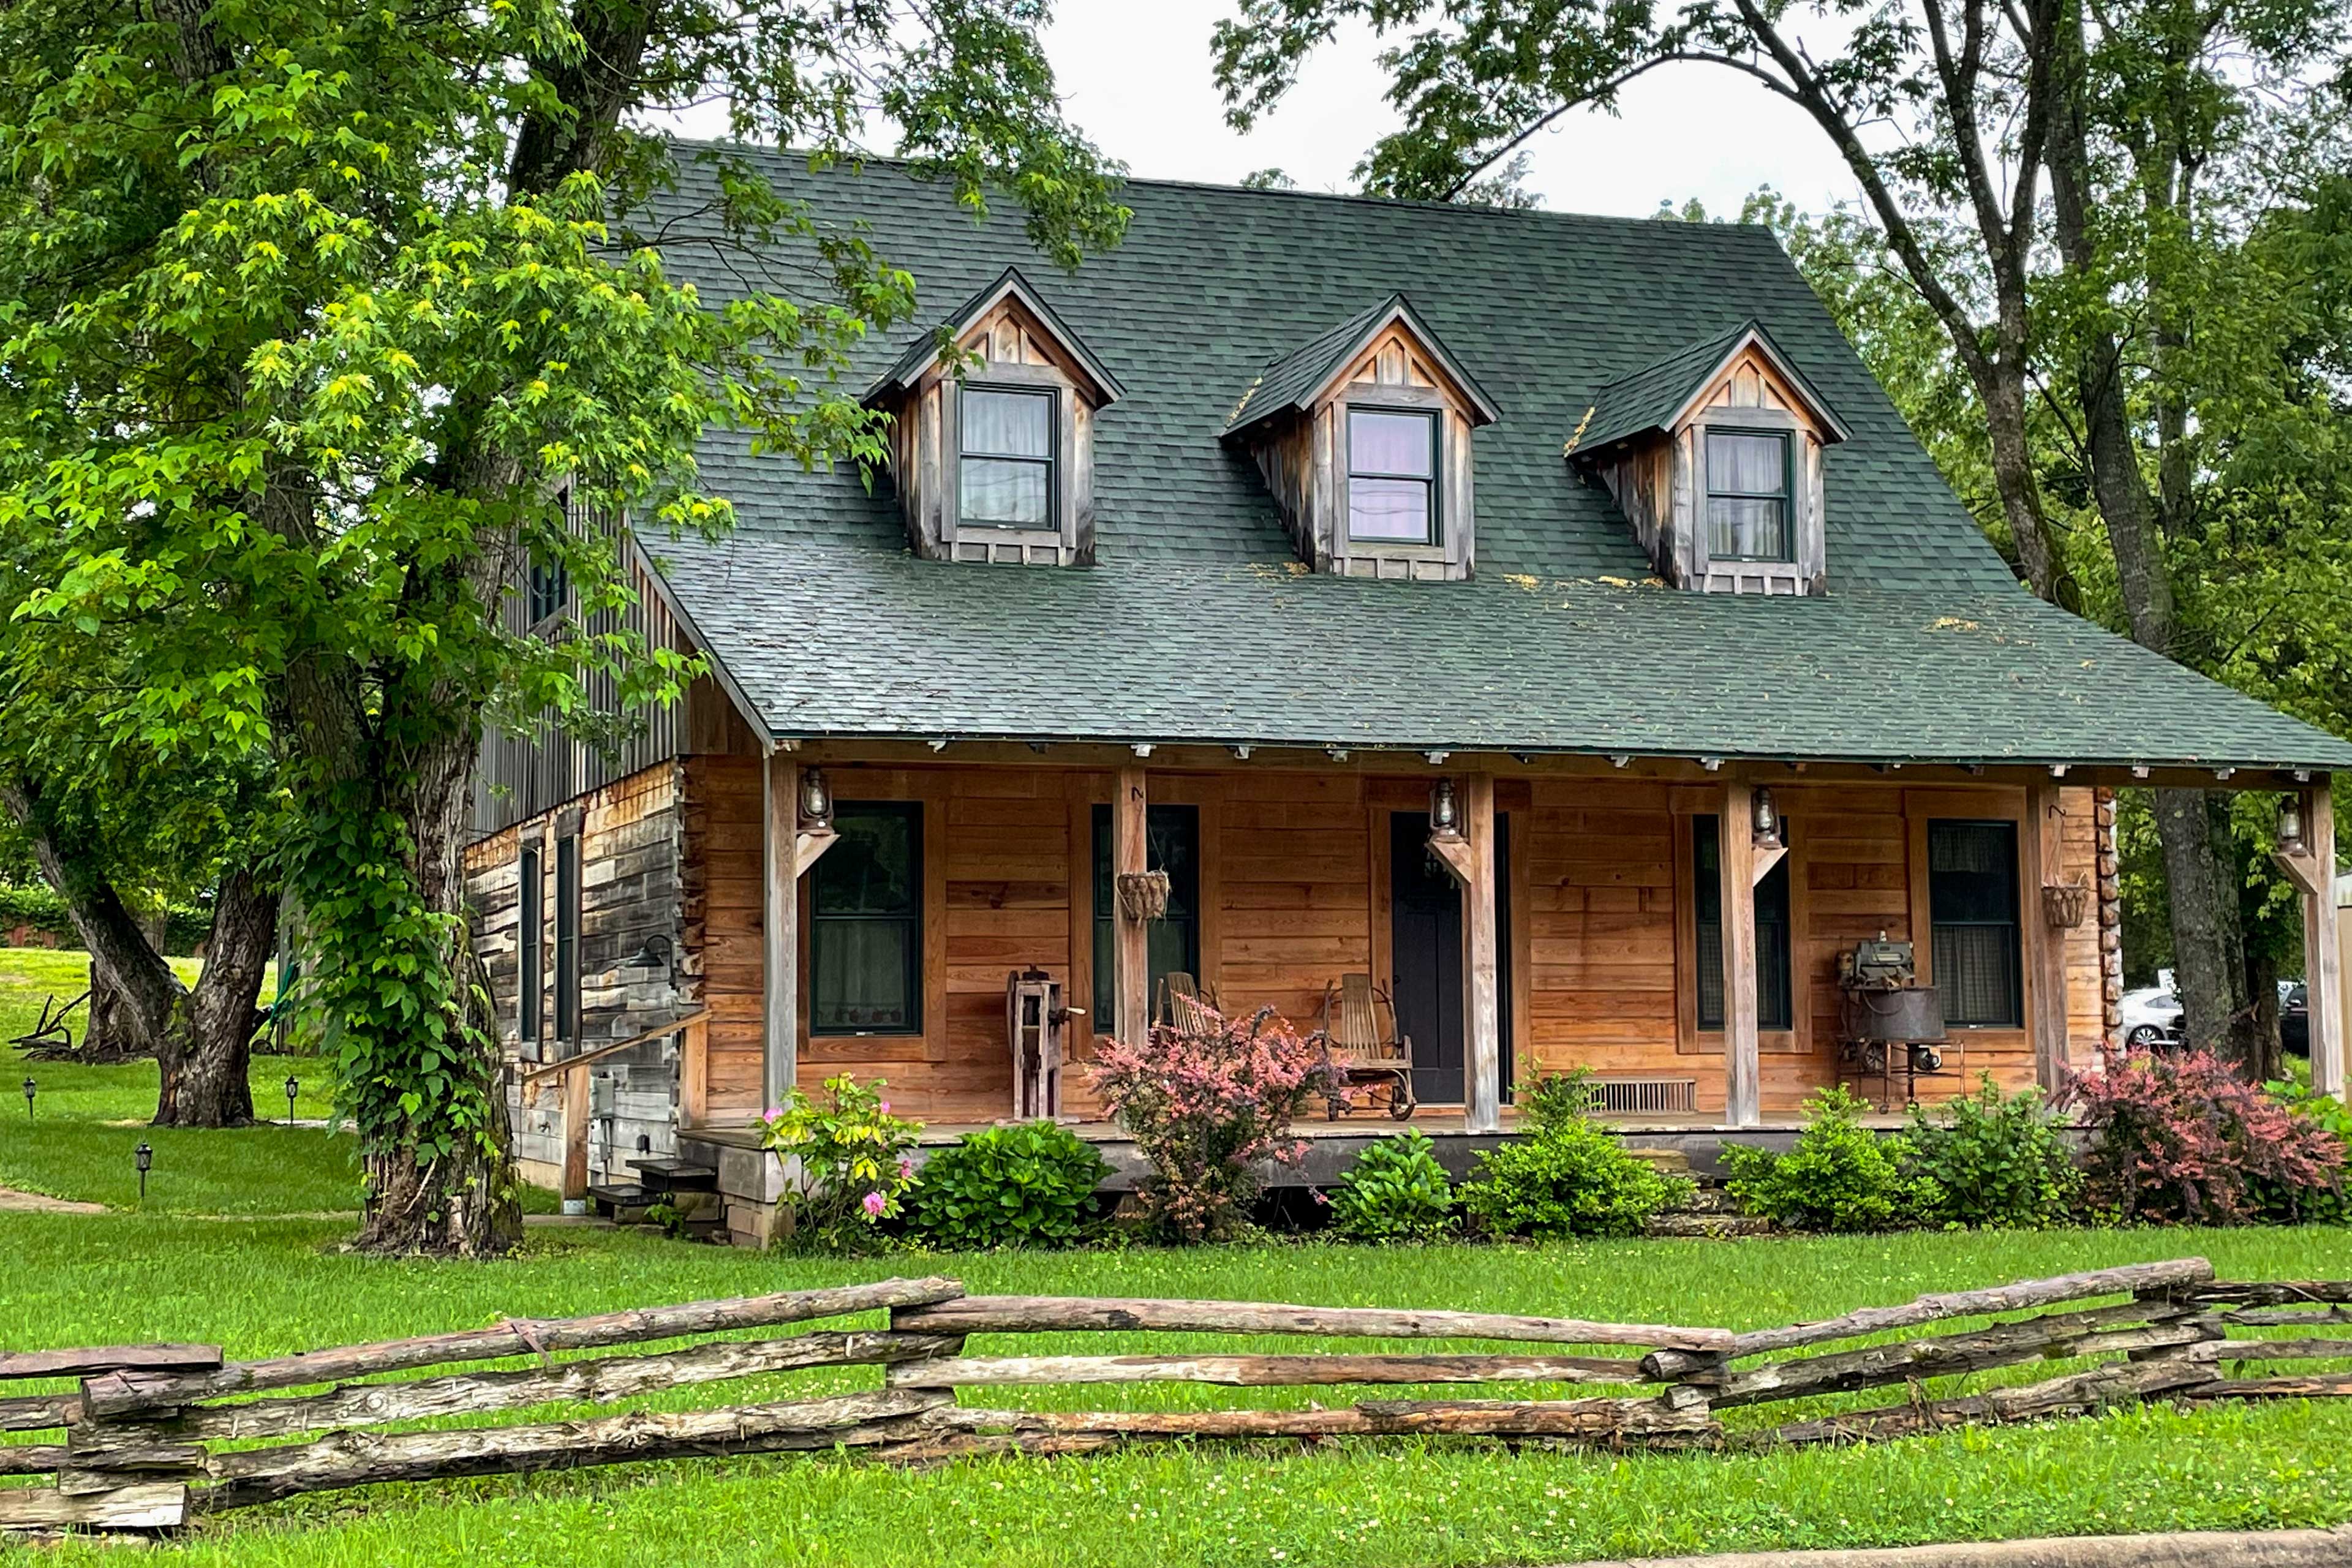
1988 1159
2184 1138
1032 1185
1840 1176
1204 1105
1396 1191
856 1164
2331 1203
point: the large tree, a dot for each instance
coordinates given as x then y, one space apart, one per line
2019 162
324 327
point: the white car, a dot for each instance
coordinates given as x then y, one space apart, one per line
2151 1018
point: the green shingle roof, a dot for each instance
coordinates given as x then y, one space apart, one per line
1197 622
1651 398
1290 381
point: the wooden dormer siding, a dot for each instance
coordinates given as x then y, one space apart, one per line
1005 338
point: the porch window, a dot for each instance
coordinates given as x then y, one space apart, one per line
1171 844
1393 476
1775 993
1747 496
1972 905
1007 476
529 956
567 937
865 922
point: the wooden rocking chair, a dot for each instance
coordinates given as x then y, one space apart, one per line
1361 1047
1184 1007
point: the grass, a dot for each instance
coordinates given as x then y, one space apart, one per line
275 1284
138 1277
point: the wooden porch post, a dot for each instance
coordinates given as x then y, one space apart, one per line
1131 943
1742 1070
2045 950
1481 1030
2324 964
576 1103
780 927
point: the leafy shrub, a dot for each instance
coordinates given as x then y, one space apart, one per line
1569 1177
1556 1097
1841 1177
2185 1139
1396 1191
2331 1203
1031 1185
855 1165
1204 1104
1991 1160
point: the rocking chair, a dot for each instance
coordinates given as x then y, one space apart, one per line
1361 1047
1184 1007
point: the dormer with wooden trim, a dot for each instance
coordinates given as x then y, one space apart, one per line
1363 435
1714 455
993 443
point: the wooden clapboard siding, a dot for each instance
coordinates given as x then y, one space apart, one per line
1295 905
2078 841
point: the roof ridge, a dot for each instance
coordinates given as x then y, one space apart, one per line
1465 209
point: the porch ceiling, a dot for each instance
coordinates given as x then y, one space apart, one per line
857 643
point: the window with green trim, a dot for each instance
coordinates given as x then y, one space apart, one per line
1749 496
865 922
1172 844
1775 957
1972 907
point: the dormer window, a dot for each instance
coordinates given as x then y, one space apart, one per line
1363 435
1748 499
1007 478
992 444
1391 475
1714 454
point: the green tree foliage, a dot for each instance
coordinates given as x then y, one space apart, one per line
319 314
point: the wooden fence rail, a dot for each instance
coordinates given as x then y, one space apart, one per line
155 1433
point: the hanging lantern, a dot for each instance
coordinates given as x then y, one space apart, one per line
1445 813
2289 825
816 800
1766 818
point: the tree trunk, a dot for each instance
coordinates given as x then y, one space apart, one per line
465 1205
205 1062
2200 866
2264 1062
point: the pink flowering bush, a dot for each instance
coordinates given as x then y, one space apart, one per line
856 1162
2185 1139
1205 1107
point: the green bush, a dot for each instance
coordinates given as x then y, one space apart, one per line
1567 1178
1396 1191
1555 1099
1031 1185
2325 1203
1841 1177
1990 1160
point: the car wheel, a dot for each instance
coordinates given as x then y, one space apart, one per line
2145 1036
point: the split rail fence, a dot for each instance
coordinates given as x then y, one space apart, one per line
154 1434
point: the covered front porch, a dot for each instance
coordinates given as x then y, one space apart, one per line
860 908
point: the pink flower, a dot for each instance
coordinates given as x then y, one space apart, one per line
875 1203
905 1168
885 1107
774 1112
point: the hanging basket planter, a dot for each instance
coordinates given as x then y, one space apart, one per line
2064 906
1143 895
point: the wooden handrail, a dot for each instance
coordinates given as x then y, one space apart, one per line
552 1069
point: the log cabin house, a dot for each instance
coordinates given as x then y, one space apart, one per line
1238 552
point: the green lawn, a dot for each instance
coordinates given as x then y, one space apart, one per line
136 1277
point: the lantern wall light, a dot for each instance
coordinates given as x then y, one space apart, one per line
816 800
2289 825
1444 812
1766 815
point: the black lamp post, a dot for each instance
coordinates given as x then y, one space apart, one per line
293 1088
143 1157
29 1086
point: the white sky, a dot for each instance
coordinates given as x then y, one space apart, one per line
1136 75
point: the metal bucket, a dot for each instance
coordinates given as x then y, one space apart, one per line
1914 1013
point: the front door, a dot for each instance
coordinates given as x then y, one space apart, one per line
1425 926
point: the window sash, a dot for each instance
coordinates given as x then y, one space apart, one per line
567 937
1774 541
530 933
1005 458
1977 948
866 964
1775 934
1370 484
1171 844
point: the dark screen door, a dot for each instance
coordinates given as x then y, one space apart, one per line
1425 926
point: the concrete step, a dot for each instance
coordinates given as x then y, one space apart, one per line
1672 1160
1717 1225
